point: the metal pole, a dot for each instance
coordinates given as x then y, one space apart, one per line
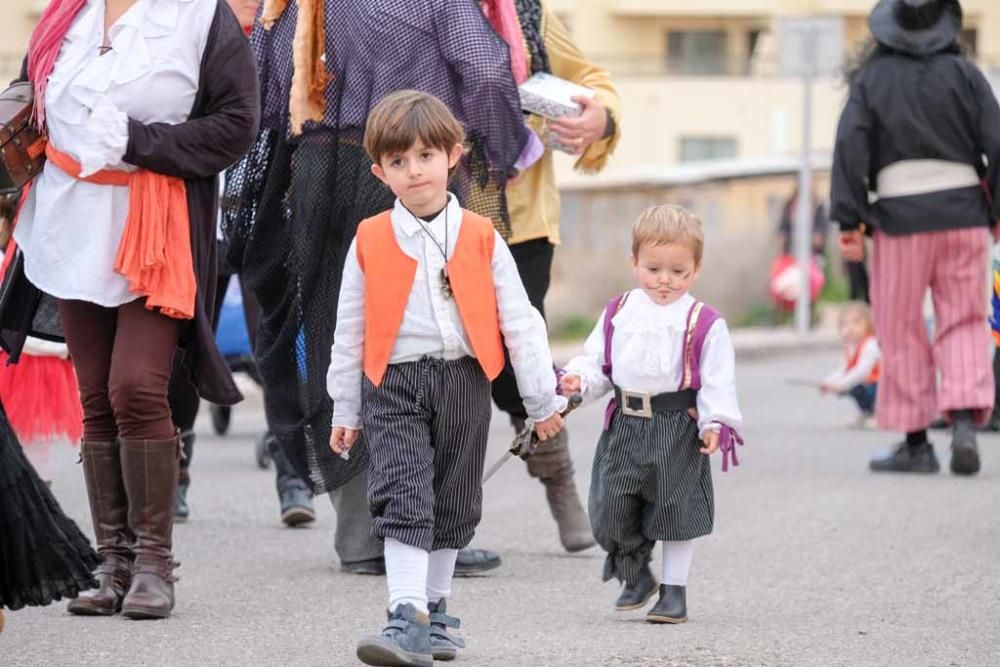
804 206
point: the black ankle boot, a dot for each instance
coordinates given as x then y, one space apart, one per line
636 597
671 607
964 449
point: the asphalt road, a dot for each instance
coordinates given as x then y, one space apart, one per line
814 561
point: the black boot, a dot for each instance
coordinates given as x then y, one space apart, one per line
918 458
372 566
473 562
405 640
636 597
671 607
294 494
964 450
181 509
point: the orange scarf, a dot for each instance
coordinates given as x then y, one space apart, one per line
155 251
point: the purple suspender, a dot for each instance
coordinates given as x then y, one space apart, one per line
609 330
700 319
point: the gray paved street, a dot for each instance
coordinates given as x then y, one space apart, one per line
814 562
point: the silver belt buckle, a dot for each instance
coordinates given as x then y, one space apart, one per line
643 397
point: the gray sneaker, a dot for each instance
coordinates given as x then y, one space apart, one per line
405 641
444 646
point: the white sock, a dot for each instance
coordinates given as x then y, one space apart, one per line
439 574
406 574
677 562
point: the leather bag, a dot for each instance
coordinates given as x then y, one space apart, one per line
22 146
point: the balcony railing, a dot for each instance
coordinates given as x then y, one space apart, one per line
651 65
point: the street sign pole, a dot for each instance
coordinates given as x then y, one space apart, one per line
804 207
809 47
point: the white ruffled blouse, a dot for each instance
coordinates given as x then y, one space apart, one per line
647 355
70 230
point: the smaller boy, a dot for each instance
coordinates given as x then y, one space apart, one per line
428 291
669 362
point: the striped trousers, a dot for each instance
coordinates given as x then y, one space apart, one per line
426 428
953 265
649 483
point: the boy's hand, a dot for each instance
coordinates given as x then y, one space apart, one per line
548 428
569 385
342 439
711 440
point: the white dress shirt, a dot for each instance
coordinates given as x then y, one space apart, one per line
70 230
431 324
647 355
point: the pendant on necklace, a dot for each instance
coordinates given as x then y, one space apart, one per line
446 284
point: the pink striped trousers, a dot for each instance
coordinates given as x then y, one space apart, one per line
953 265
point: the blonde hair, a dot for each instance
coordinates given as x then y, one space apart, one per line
661 225
860 309
403 117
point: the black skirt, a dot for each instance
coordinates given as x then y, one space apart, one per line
43 555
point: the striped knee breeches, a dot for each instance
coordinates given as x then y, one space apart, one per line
426 428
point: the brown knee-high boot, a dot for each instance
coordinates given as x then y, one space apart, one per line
150 471
102 472
551 464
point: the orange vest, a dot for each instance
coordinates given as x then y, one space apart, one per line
389 276
852 361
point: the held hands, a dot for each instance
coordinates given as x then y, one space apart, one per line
583 130
570 384
342 439
548 428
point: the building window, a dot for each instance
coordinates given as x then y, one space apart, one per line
705 149
697 52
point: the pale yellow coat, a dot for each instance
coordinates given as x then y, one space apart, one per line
533 201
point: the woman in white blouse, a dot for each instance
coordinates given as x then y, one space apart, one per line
144 103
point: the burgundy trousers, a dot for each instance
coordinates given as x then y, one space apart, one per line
953 265
123 357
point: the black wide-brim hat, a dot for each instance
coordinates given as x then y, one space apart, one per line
920 27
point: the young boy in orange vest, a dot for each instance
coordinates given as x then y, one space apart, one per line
428 291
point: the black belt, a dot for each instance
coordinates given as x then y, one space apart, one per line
642 404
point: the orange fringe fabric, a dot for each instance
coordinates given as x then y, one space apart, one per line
155 251
307 100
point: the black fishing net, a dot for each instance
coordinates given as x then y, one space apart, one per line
294 202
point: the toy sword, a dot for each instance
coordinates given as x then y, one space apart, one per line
526 442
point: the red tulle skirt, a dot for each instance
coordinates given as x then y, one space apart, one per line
42 398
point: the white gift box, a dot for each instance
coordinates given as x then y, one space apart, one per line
551 97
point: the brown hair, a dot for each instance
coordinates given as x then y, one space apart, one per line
403 117
661 225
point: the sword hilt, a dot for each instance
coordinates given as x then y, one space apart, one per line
526 442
